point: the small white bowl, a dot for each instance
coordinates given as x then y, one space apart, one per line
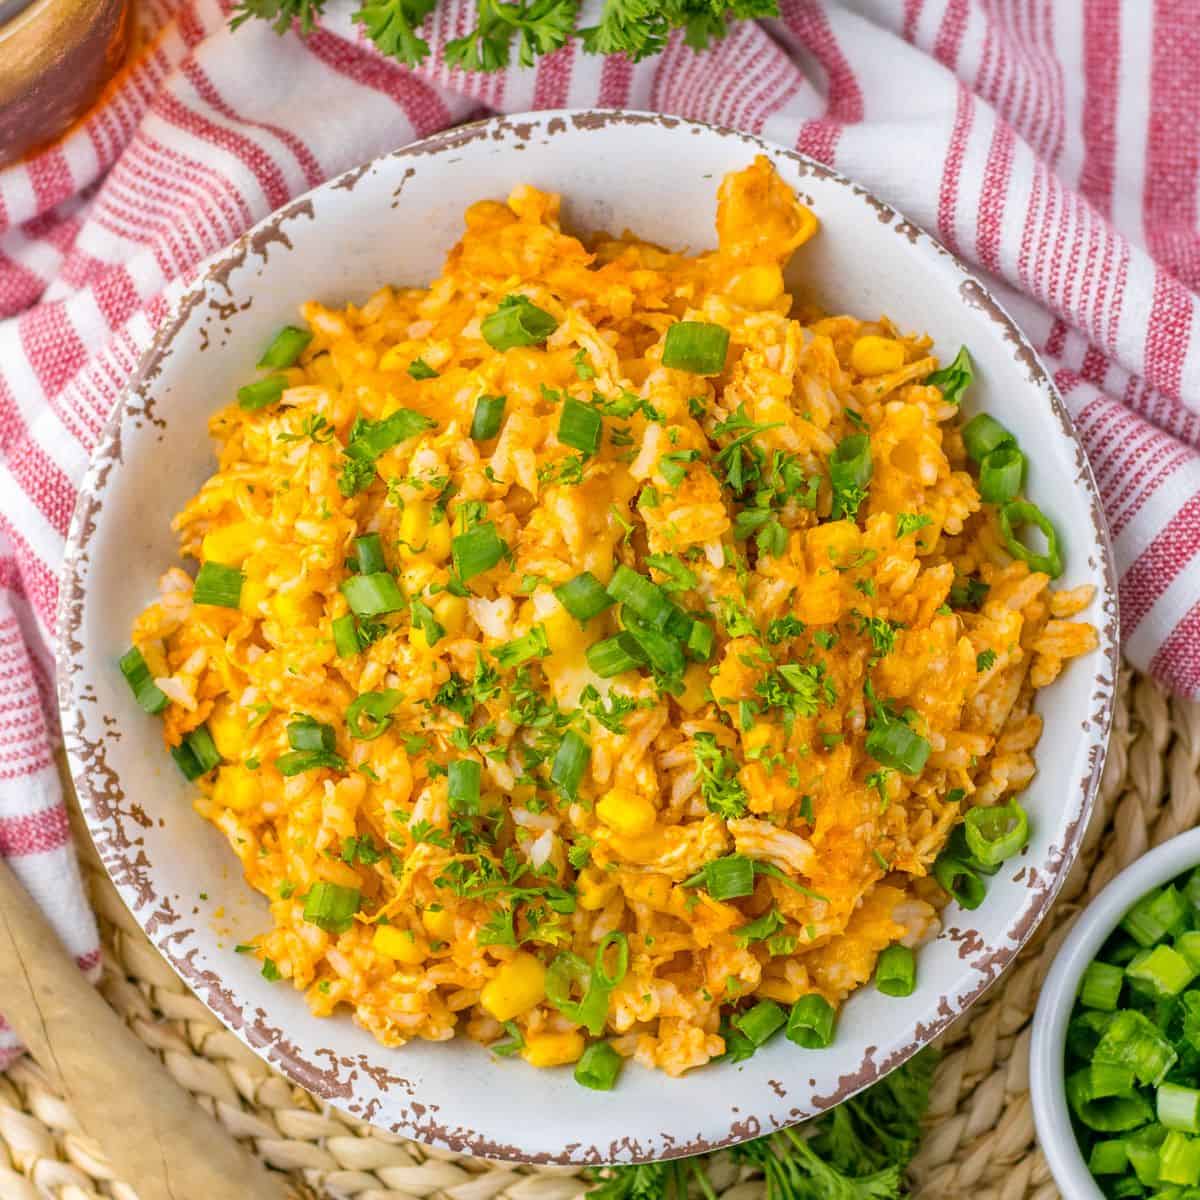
1051 1115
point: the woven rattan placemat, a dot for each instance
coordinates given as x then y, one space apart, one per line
980 1141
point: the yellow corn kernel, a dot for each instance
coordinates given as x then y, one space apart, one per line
695 684
553 1049
758 286
451 613
237 787
227 724
756 740
254 593
400 945
872 355
296 608
596 888
652 890
437 541
438 922
564 632
517 986
395 359
414 527
626 813
230 544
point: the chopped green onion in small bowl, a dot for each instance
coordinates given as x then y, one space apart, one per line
1115 1055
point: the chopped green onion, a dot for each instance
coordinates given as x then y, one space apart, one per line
1014 516
959 880
568 972
894 745
346 641
477 550
725 878
996 833
1165 970
137 674
850 471
1178 1107
1188 944
462 780
953 379
700 641
1108 1158
489 412
296 762
372 595
331 907
982 434
419 369
663 652
307 734
1102 1097
614 655
896 971
810 1023
285 348
530 645
641 596
197 754
1132 1040
1191 889
1143 1150
1179 1159
584 597
598 1067
1100 987
761 1022
1084 1032
580 426
368 554
219 585
1155 915
517 322
1001 474
261 392
570 762
696 346
600 973
368 715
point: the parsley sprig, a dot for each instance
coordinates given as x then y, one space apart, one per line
532 28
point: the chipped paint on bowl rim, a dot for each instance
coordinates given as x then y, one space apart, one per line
154 452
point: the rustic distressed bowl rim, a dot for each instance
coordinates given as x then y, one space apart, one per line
102 796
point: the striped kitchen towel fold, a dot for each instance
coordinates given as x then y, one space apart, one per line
1053 144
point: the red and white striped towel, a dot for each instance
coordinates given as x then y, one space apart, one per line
1054 144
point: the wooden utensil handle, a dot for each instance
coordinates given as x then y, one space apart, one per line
156 1136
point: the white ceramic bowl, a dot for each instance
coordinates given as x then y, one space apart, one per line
392 221
1048 1046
